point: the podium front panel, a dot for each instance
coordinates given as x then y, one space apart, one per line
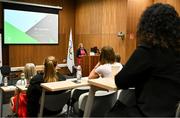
88 63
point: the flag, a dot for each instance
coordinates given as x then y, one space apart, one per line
70 56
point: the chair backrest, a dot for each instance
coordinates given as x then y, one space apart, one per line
128 97
75 93
55 101
5 70
103 102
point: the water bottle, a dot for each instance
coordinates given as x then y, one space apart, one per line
5 81
79 73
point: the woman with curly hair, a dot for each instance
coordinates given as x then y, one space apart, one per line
154 67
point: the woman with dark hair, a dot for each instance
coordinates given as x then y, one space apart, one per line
102 70
154 67
103 67
34 90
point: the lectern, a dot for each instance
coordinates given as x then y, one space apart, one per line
88 63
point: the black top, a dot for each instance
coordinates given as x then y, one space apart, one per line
155 74
78 53
34 93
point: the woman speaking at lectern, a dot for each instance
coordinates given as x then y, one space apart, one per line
80 52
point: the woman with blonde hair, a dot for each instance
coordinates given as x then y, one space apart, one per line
81 51
50 64
34 90
29 72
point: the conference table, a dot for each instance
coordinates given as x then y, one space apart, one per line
96 84
53 86
58 86
5 89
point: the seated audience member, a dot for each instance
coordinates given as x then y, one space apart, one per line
153 68
34 90
103 67
80 52
29 72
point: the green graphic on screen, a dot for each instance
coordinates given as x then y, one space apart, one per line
25 27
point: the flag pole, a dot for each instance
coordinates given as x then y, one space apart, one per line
70 56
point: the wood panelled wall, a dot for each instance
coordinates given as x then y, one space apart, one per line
97 23
135 9
21 54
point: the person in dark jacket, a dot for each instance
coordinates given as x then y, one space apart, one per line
34 90
154 67
81 51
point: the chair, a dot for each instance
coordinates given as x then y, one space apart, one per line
55 101
103 102
75 93
127 97
6 72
